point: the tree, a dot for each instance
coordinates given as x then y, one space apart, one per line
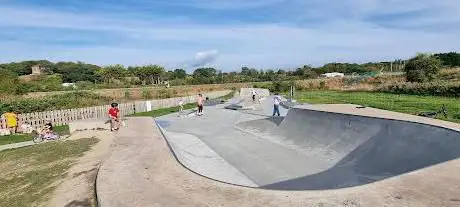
421 68
451 59
112 72
180 74
205 75
74 72
149 73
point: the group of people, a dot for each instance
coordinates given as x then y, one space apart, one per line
11 124
199 101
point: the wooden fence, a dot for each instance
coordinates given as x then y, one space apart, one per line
64 117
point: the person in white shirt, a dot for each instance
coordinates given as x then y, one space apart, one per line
276 105
254 93
181 106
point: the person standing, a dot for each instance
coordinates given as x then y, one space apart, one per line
200 102
11 120
276 104
114 117
254 93
181 106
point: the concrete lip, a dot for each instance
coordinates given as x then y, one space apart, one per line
314 147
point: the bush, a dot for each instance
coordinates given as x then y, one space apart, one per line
146 94
322 85
127 95
55 102
164 93
449 89
422 68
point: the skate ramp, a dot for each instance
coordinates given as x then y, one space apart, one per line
316 150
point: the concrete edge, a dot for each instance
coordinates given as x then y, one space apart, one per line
410 118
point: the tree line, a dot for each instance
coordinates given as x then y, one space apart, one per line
74 72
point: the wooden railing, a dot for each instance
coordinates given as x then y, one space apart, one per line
64 117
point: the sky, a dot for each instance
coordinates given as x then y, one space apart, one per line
226 34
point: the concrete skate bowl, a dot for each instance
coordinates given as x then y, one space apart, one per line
316 150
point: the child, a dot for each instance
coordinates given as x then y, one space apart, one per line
114 119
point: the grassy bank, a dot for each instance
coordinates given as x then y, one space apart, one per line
10 139
410 104
30 174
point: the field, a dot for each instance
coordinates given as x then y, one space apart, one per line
410 104
30 174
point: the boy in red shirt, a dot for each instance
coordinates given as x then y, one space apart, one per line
114 119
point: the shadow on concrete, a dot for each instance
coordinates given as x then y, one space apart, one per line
384 155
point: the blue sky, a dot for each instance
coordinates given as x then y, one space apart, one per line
226 34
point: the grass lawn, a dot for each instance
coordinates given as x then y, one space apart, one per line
165 111
29 175
10 139
410 104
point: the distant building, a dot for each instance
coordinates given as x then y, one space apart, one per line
38 70
332 75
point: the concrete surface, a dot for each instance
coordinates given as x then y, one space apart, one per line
89 124
142 171
313 149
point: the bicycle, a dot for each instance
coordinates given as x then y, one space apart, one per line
38 138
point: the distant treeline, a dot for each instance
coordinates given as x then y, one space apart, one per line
79 72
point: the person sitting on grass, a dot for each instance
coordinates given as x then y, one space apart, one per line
114 117
47 130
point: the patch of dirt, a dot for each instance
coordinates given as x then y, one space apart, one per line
77 189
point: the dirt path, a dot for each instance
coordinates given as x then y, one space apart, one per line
77 189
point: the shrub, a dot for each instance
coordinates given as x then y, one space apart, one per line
422 68
279 86
146 94
322 85
164 93
55 102
449 89
127 95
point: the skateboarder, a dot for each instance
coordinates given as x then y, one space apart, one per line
276 104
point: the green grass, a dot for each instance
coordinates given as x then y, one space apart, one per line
410 104
165 111
10 139
29 175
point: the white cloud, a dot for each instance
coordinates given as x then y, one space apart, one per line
260 45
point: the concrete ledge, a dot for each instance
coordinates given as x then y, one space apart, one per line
89 124
358 110
142 171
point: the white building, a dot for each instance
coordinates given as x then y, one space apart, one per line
332 75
